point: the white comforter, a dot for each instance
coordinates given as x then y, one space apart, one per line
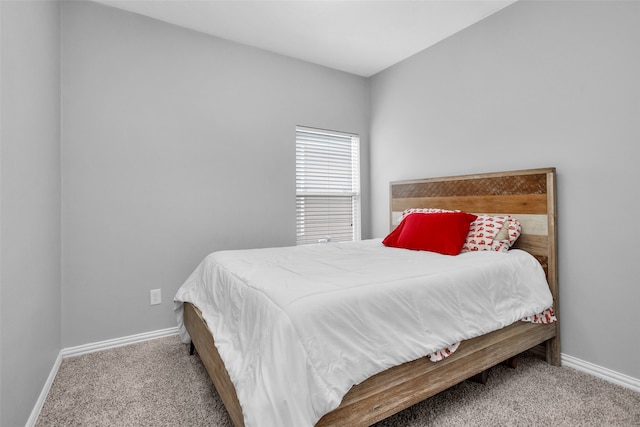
297 327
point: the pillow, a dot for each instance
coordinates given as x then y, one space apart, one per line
492 233
512 230
441 232
487 233
482 233
410 211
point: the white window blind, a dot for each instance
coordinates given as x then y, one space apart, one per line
327 186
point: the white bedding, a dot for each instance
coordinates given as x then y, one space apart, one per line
297 327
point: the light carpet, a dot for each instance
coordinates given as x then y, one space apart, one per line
157 383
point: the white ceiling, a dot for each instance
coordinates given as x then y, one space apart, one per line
361 37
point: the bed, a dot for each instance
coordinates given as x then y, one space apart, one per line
529 196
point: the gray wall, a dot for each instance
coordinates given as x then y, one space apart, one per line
176 144
30 209
536 84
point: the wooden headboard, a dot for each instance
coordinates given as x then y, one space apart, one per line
528 195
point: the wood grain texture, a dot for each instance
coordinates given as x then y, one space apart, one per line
528 192
553 345
515 204
507 184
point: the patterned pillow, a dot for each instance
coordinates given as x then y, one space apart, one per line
487 233
508 234
492 233
482 232
409 211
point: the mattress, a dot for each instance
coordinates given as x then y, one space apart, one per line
297 327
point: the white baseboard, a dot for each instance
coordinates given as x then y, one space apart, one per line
45 391
117 342
600 372
90 348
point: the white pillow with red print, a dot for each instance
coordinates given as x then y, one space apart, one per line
487 233
492 233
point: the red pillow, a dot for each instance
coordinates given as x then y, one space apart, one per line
443 232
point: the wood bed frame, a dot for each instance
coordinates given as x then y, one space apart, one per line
528 195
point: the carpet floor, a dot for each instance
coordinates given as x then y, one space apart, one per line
157 383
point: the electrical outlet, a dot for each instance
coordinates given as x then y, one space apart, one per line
155 296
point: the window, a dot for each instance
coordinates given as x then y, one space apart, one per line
327 186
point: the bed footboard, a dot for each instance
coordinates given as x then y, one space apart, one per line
400 387
393 390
